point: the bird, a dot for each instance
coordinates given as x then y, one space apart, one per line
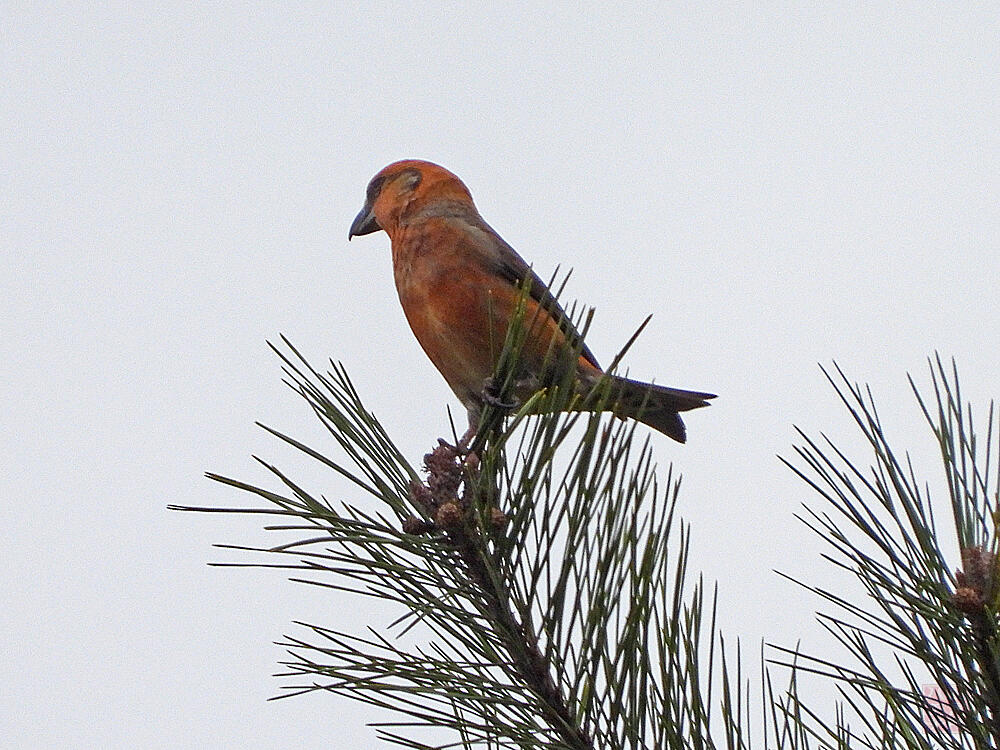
460 284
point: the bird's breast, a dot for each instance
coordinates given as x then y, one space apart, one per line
446 297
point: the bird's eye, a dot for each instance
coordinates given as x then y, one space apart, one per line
409 179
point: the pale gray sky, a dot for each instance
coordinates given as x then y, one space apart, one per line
779 185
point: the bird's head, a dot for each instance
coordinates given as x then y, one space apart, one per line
403 188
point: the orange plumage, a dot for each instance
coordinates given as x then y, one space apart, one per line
459 284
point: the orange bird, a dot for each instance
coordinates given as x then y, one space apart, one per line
460 285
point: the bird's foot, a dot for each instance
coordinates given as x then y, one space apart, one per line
463 447
491 396
463 442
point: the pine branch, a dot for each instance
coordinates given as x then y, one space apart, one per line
881 529
518 637
543 589
540 570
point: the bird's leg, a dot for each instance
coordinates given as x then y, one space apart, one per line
463 442
464 445
489 396
461 445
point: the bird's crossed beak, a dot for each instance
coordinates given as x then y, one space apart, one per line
364 223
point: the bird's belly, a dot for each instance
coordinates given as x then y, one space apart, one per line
451 317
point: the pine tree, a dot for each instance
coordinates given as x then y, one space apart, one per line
545 602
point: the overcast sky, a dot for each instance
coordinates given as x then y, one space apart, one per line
778 186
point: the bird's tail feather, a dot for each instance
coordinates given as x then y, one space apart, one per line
655 405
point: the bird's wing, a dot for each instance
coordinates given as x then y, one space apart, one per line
512 267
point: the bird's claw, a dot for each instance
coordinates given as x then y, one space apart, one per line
499 403
491 396
461 446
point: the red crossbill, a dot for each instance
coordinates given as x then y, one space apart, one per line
460 285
